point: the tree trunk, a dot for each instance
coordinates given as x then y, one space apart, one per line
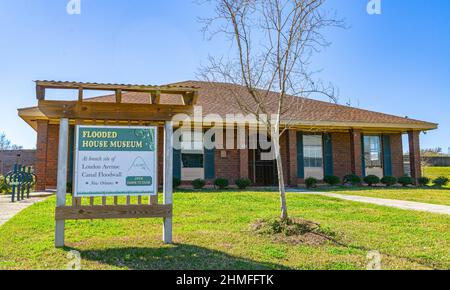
281 186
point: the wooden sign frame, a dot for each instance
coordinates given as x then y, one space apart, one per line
77 211
117 111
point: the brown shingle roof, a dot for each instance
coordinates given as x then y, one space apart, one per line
218 98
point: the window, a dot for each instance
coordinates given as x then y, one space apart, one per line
192 156
372 151
373 155
313 151
313 156
192 160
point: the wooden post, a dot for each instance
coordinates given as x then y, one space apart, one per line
62 178
168 179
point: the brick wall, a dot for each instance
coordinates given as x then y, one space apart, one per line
52 156
229 166
8 158
414 154
397 155
41 155
292 161
356 152
341 154
346 156
285 156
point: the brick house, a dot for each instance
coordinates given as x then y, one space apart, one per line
326 139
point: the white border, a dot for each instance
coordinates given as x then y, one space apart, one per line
75 161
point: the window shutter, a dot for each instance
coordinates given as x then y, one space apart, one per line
328 154
387 155
210 168
177 163
300 156
363 157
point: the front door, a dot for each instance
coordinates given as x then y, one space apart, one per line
263 172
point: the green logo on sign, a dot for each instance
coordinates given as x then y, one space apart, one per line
139 181
116 139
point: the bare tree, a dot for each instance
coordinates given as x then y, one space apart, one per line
5 143
272 45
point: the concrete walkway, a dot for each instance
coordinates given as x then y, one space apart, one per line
9 209
401 204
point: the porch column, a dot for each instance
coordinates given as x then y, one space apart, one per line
292 147
62 178
243 163
243 147
356 152
414 155
41 155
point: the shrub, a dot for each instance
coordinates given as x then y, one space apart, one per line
69 187
198 183
389 180
441 181
176 182
4 188
405 181
353 179
332 180
371 180
243 183
221 183
424 181
311 182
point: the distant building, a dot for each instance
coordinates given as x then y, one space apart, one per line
10 157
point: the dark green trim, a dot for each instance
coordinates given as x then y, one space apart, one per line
300 156
210 164
387 155
177 164
328 154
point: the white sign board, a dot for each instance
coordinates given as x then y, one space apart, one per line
115 161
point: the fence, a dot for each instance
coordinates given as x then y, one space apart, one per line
21 180
439 161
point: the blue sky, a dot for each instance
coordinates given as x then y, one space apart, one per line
397 62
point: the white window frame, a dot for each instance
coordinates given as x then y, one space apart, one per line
316 172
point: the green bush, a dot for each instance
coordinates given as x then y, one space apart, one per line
243 183
371 180
198 183
389 180
221 183
441 181
332 180
405 181
176 182
69 187
424 181
353 179
4 188
311 182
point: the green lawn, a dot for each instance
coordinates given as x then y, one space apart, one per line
425 195
211 231
435 172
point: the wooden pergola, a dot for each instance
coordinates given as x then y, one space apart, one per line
118 110
84 110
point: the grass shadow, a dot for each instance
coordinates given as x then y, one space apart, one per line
174 257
